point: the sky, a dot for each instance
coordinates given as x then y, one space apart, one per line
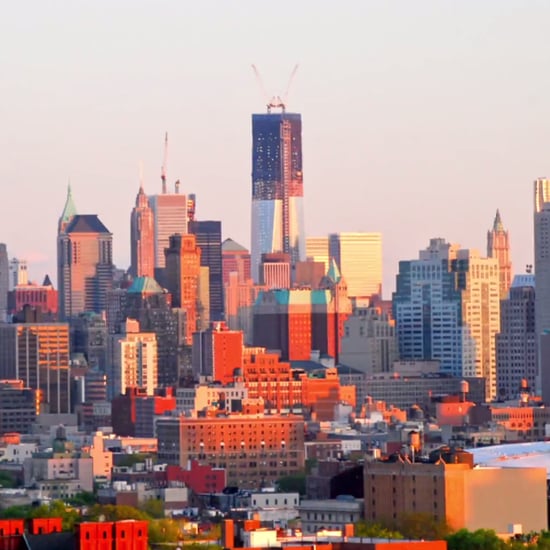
420 118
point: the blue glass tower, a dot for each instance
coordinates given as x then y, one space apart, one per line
277 187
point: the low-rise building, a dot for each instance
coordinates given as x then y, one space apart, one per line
333 514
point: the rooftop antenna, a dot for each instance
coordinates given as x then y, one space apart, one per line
276 101
164 163
141 175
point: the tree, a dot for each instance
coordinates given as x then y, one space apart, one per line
111 512
164 530
420 526
153 508
83 499
482 539
57 509
295 483
7 480
365 529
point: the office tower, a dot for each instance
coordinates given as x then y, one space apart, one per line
134 360
317 250
150 305
235 257
369 343
299 321
203 299
84 262
18 406
516 343
277 187
542 275
498 246
182 273
275 270
359 258
308 274
4 282
142 238
217 353
38 354
446 307
89 338
209 239
18 273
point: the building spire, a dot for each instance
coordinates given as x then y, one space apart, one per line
497 224
69 210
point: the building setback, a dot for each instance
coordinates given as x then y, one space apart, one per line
142 238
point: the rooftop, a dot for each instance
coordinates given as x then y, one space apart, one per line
86 223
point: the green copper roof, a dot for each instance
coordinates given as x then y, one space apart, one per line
145 285
333 272
69 210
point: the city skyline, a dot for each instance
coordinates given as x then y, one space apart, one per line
466 120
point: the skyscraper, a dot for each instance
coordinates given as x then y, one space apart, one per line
84 262
235 258
4 281
183 265
498 246
209 240
359 258
142 238
317 250
277 187
18 273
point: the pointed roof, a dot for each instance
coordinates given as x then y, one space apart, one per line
333 272
69 210
229 245
47 281
145 285
86 223
497 224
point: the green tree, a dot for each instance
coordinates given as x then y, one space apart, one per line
420 526
164 530
16 512
295 483
111 512
57 509
482 539
7 480
153 508
375 530
83 499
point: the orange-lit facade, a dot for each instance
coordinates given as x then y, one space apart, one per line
255 450
182 273
38 354
40 297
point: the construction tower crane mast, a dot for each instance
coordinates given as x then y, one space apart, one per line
164 164
276 101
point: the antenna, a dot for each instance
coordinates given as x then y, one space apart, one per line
164 163
141 174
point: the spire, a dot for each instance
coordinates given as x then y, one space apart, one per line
497 224
333 272
69 210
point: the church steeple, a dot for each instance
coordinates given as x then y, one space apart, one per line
69 211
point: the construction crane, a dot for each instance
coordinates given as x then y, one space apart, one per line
164 164
276 101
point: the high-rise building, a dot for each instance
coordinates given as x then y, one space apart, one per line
447 308
542 275
209 240
277 187
38 354
84 262
18 407
142 238
317 250
4 281
18 273
89 338
359 258
134 361
43 298
150 305
516 342
498 246
182 274
235 257
275 270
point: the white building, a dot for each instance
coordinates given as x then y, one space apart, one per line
334 514
205 396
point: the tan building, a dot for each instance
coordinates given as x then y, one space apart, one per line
256 450
498 246
455 491
359 258
317 250
134 360
479 283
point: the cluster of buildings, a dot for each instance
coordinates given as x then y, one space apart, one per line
237 368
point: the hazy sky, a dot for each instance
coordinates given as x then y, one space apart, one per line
419 118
